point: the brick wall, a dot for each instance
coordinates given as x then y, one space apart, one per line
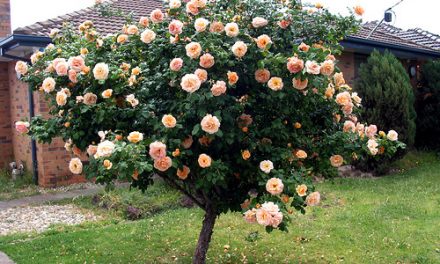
19 109
5 121
347 66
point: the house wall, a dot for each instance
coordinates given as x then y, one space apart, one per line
6 150
347 66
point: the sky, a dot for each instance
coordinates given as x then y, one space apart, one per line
409 14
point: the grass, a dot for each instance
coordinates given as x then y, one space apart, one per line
21 187
393 219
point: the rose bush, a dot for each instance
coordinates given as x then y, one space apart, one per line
234 103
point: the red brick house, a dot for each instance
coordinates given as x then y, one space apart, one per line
48 163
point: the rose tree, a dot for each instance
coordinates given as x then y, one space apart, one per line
234 103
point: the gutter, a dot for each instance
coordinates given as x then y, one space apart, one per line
8 44
371 44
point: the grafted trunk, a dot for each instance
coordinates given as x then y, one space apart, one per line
205 236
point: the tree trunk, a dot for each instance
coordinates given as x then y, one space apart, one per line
205 236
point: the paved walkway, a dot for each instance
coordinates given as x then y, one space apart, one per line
48 197
4 259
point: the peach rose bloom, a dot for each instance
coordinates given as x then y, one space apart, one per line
56 61
193 50
359 10
156 16
239 49
275 83
283 23
329 92
327 67
61 98
336 161
303 47
61 68
218 88
187 142
21 67
202 75
232 30
392 135
135 137
147 36
301 190
76 63
201 24
107 164
207 61
143 21
217 27
274 186
169 121
100 72
192 8
91 150
176 64
371 131
312 67
266 166
49 84
210 124
360 128
75 166
158 150
277 218
190 83
107 93
356 99
313 199
263 41
90 99
343 98
347 109
259 22
183 173
372 146
330 57
264 218
122 38
250 216
301 154
232 77
204 161
22 127
73 76
339 79
175 27
200 3
295 65
163 164
349 126
175 4
262 75
246 154
300 84
132 100
132 30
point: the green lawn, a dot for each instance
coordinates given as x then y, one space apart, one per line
10 189
394 219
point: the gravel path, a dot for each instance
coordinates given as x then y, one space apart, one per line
39 218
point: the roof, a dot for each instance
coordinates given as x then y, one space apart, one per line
103 25
386 35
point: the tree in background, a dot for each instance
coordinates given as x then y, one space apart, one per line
234 103
428 107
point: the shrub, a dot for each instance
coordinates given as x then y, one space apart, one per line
387 95
234 112
428 107
388 102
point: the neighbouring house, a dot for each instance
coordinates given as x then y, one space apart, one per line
48 163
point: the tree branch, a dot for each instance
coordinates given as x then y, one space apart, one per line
181 189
